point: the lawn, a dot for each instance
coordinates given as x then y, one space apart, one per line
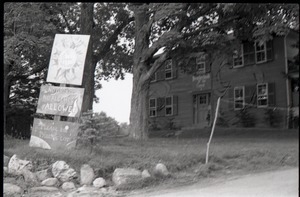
231 150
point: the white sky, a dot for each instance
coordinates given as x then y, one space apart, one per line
115 98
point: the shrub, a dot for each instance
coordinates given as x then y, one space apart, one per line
246 119
272 116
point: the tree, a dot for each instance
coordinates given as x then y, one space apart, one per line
182 27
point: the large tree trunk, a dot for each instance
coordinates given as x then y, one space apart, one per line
89 68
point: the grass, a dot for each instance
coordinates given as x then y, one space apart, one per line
244 150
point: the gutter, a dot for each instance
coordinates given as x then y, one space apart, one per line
287 82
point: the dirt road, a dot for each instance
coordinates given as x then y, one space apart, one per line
280 183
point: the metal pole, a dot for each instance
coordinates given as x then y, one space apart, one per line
212 130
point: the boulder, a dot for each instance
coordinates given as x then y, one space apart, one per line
145 174
50 182
68 186
5 171
86 191
99 182
11 189
29 177
16 165
86 175
5 160
63 172
43 174
124 176
44 189
161 170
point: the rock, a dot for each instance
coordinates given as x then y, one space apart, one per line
29 177
63 172
50 182
5 171
145 174
43 174
16 165
86 191
44 189
5 160
124 176
161 170
11 189
86 175
99 182
67 186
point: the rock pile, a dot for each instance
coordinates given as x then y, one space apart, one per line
61 179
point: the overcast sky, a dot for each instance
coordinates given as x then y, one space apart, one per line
114 98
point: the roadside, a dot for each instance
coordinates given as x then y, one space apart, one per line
282 182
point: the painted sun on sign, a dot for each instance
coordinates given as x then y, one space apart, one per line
67 59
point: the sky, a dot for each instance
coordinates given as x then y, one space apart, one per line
115 98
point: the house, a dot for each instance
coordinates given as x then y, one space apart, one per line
259 88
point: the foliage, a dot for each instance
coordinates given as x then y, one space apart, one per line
95 126
273 117
246 119
221 121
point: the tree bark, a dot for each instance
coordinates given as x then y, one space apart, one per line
89 68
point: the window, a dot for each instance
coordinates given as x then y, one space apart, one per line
153 77
152 107
260 52
169 106
262 95
200 64
239 97
238 60
168 69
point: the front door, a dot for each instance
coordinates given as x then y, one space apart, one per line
201 103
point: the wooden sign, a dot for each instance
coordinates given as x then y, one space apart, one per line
67 58
63 101
49 134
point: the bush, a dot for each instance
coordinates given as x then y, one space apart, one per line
246 118
272 116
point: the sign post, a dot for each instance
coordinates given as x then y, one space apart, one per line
66 67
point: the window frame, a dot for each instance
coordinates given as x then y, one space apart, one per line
264 51
240 99
169 70
266 95
153 108
169 106
237 56
201 60
153 78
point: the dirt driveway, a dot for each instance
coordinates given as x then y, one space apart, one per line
279 183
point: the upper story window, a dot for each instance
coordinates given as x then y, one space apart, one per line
260 52
153 77
168 69
169 106
152 107
200 64
238 58
262 95
239 97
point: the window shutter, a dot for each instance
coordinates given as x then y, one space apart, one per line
271 94
270 50
250 94
160 74
174 70
192 64
249 53
230 99
207 64
175 105
160 106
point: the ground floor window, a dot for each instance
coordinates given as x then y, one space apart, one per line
169 106
262 95
152 107
239 97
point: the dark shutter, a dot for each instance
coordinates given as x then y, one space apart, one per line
192 64
271 94
175 105
160 74
207 64
270 52
249 53
174 69
230 98
250 94
160 106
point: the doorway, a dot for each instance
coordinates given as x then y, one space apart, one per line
201 110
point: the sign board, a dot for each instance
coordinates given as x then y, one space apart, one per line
67 58
63 101
49 134
202 81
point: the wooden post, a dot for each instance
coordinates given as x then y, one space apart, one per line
212 130
57 117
